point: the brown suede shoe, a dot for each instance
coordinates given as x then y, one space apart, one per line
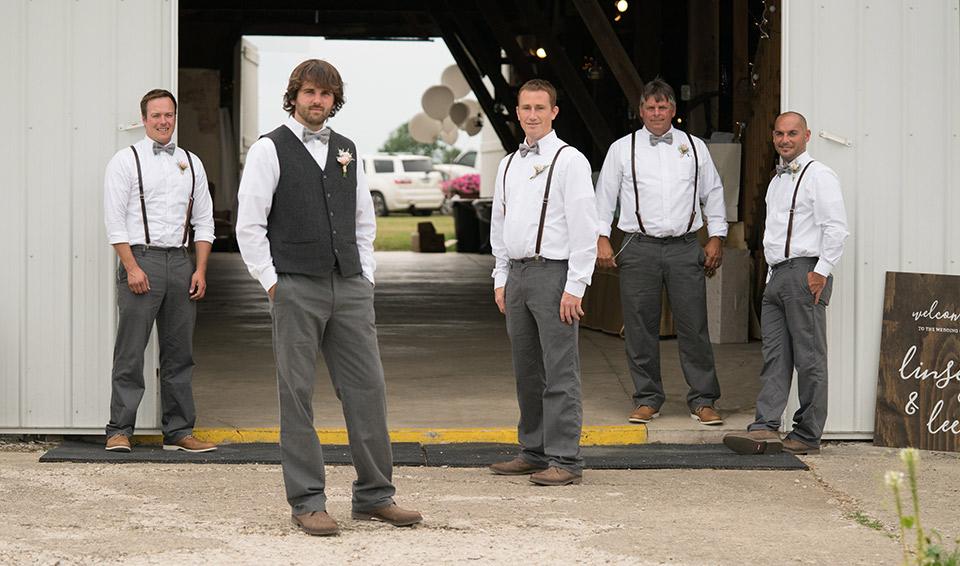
754 442
796 447
393 514
555 476
707 415
515 467
118 443
191 444
318 523
643 414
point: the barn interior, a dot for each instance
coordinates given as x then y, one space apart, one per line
445 351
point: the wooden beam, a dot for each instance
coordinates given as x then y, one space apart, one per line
489 65
470 72
606 39
568 75
508 41
703 65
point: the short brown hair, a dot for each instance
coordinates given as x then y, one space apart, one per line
153 95
660 91
320 73
542 85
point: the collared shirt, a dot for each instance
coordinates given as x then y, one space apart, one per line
665 184
570 230
167 183
261 173
819 221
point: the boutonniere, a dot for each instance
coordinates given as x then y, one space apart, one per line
794 169
183 166
684 150
344 158
537 169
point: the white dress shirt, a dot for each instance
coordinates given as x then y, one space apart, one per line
819 221
570 229
665 184
261 172
167 183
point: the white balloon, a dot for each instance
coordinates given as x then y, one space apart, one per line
453 78
458 112
473 125
450 137
423 128
448 125
436 101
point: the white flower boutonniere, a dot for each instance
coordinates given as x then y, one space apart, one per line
794 169
684 150
537 169
344 157
183 166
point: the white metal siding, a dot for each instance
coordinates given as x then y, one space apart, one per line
885 75
74 71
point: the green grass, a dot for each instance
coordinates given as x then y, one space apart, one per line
394 231
866 521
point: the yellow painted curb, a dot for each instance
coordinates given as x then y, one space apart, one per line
590 436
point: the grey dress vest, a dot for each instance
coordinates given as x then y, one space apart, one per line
312 223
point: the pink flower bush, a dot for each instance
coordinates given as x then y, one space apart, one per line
465 186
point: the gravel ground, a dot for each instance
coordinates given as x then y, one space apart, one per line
139 514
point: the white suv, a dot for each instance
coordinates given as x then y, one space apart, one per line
403 182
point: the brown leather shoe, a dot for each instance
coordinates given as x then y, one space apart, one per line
707 415
393 514
318 523
796 447
555 476
118 443
515 467
754 442
643 414
191 444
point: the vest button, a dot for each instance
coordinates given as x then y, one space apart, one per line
331 214
334 231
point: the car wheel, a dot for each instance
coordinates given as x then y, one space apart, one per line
379 204
422 212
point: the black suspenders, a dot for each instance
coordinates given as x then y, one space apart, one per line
636 190
546 194
143 206
793 206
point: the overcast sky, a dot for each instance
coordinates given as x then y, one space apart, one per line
383 82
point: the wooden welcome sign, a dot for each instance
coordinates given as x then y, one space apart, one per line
918 396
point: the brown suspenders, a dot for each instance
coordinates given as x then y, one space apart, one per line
793 206
636 190
143 206
546 195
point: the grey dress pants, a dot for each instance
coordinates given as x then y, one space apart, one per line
794 335
167 303
333 315
646 265
546 364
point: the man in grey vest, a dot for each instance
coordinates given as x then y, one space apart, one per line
306 227
153 193
802 242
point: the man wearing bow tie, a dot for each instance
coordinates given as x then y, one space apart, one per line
802 242
662 177
543 232
306 226
154 192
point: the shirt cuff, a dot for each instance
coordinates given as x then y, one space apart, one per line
823 267
499 280
575 288
268 278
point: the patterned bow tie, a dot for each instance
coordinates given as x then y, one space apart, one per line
169 148
666 138
781 169
525 149
323 135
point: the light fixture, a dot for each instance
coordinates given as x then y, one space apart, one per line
679 120
541 53
622 6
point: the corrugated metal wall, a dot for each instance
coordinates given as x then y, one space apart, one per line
74 70
886 76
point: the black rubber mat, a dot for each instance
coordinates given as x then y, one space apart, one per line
404 454
465 455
